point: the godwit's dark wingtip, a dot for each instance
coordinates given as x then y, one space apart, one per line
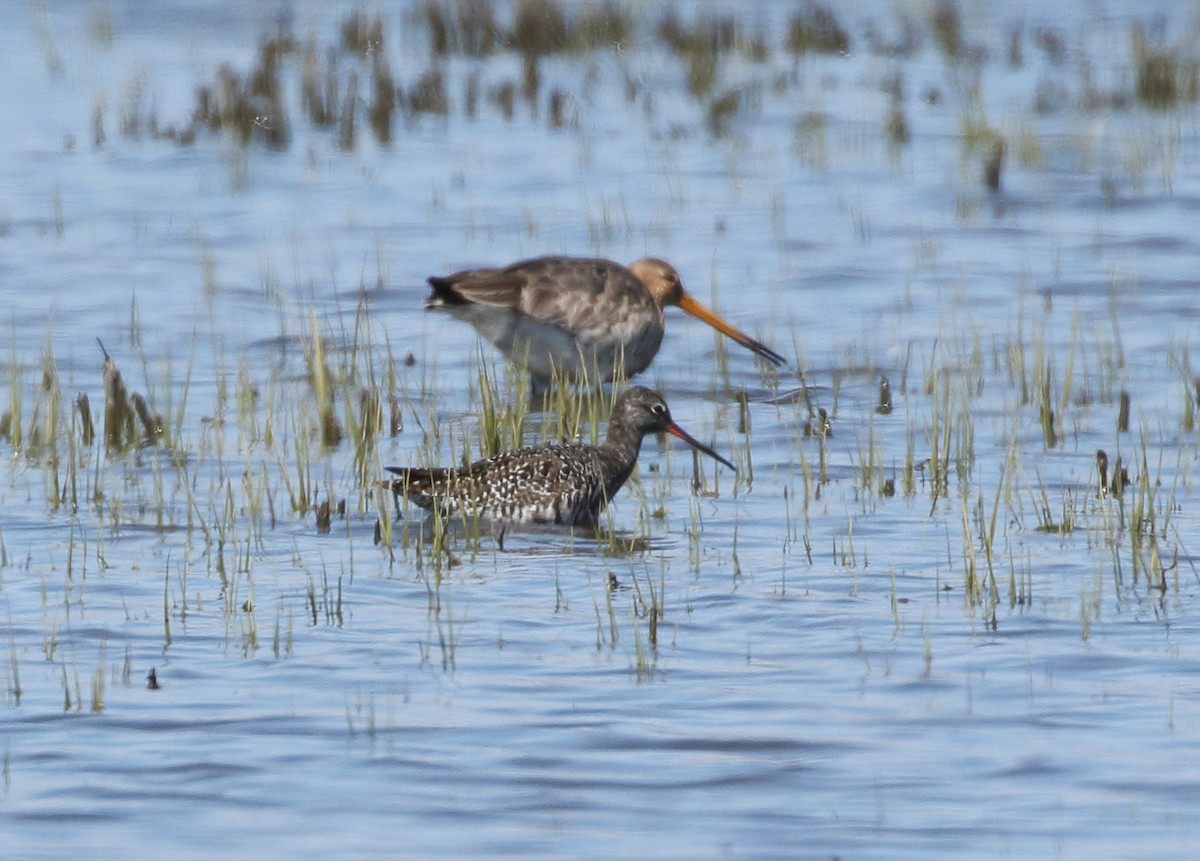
444 293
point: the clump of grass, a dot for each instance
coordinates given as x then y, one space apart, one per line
700 46
362 34
1191 404
87 431
870 464
11 420
993 164
119 427
502 412
981 588
1165 77
539 27
884 406
98 682
561 112
347 115
645 655
819 425
723 109
542 27
152 423
1120 476
321 379
895 125
503 97
124 411
1046 417
609 638
463 27
810 138
42 438
427 95
318 87
367 426
906 43
908 473
946 24
601 25
252 107
816 29
1123 412
324 517
382 109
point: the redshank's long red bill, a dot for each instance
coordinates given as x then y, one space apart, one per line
691 306
676 431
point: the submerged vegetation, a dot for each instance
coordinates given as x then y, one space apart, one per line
726 66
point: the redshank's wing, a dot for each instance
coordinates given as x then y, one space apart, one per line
420 485
544 484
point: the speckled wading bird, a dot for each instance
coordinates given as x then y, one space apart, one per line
581 317
566 484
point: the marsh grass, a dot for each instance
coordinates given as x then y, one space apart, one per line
323 387
120 431
12 684
815 28
502 410
607 630
10 421
99 678
1166 76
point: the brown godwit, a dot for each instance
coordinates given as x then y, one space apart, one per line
565 484
580 317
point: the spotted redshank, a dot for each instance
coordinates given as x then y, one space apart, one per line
580 317
564 484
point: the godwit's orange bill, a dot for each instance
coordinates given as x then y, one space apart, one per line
580 317
567 484
689 304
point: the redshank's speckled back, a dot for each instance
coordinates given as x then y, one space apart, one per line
581 317
565 484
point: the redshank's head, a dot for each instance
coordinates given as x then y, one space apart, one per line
664 284
645 410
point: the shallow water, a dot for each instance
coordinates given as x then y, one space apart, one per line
832 673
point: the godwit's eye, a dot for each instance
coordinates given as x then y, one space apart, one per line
659 409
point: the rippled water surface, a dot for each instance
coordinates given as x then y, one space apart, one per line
987 657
